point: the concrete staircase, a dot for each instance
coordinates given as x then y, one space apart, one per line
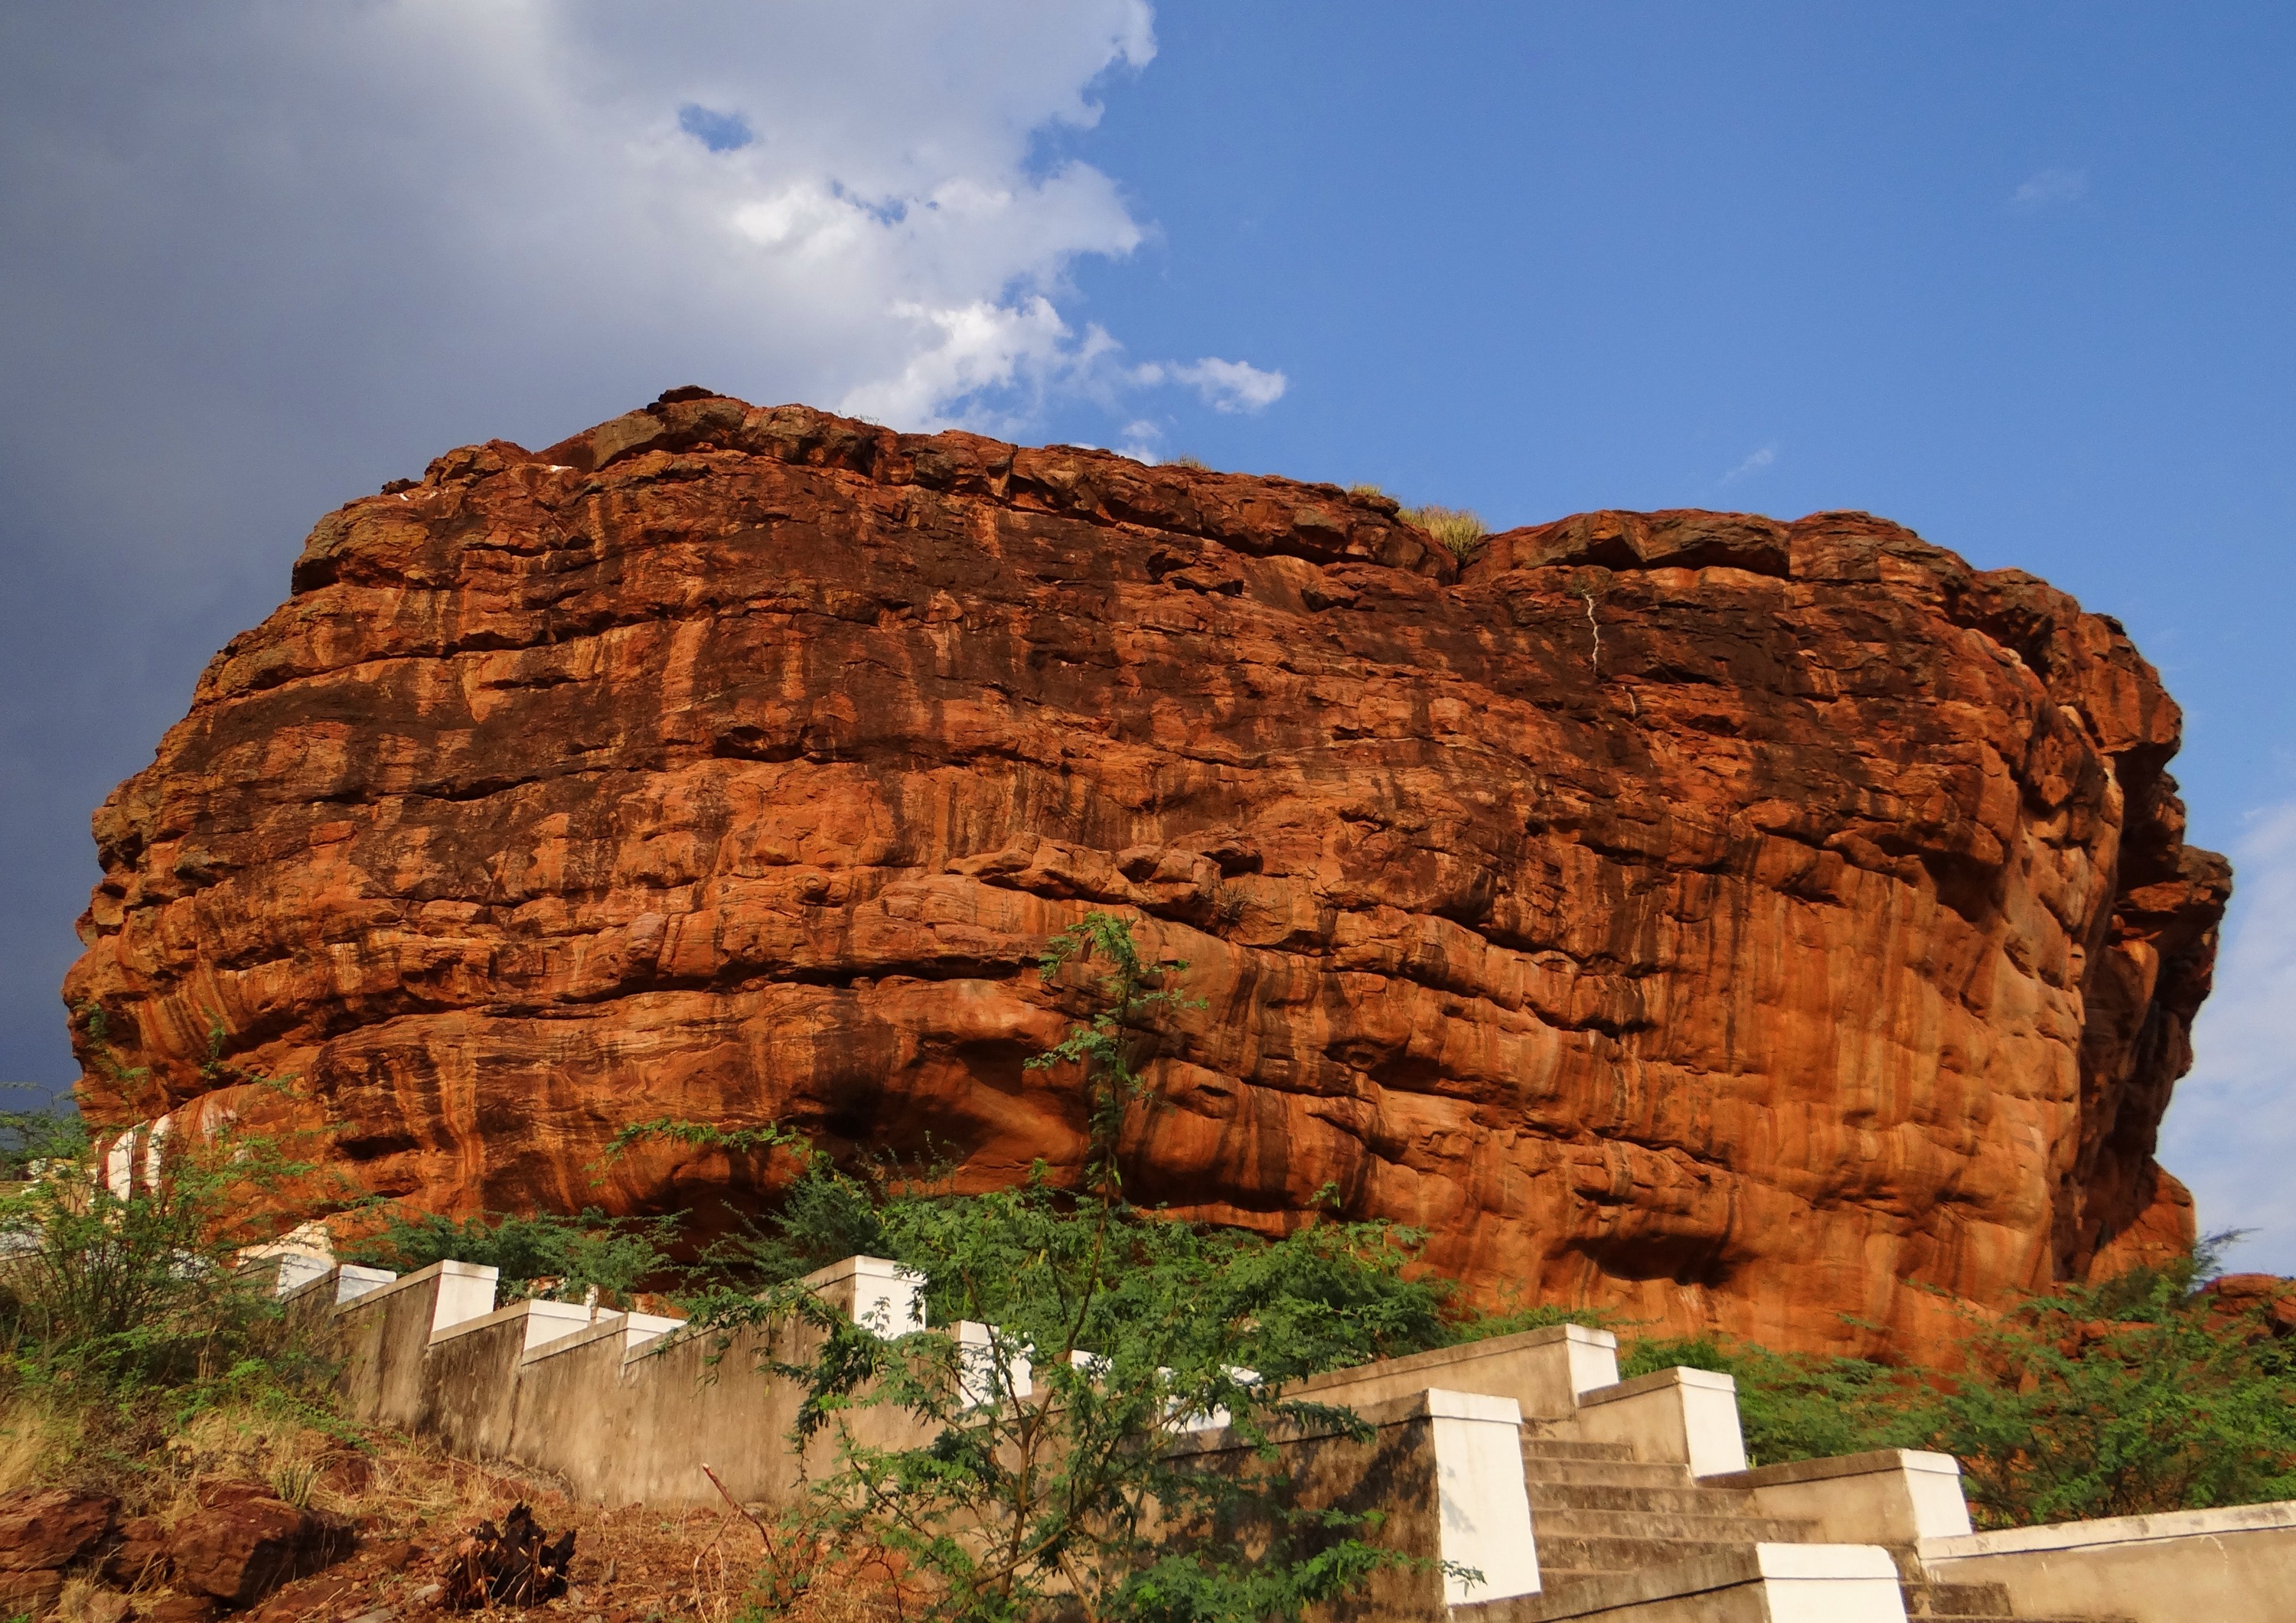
1602 1515
1548 1490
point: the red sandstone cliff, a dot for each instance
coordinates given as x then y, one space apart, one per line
1824 931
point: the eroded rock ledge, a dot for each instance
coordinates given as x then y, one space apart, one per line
1734 923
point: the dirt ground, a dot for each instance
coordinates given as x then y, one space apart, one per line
410 1506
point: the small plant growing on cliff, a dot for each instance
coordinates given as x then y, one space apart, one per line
1460 531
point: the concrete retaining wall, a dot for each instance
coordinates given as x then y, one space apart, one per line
628 1407
2215 1566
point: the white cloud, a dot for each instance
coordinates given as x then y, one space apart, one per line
1754 463
2231 1132
1139 439
2047 186
573 204
1226 386
1232 386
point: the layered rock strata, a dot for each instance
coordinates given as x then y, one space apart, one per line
1732 923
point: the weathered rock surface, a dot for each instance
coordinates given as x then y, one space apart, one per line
241 1547
43 1531
1734 922
51 1527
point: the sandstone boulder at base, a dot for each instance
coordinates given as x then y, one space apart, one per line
2270 1298
140 1555
52 1528
30 1592
240 1549
1777 928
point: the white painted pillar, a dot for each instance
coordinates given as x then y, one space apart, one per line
119 1166
1680 1416
977 1346
1483 1508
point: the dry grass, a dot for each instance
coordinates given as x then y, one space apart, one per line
1461 531
34 1445
411 1503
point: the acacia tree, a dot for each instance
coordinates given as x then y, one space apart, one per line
1052 1470
121 1279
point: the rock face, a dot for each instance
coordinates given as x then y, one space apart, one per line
1732 923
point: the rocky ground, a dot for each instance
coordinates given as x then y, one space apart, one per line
355 1528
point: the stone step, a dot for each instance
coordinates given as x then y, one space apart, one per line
1607 1496
1972 1603
1668 1526
1607 1473
1944 1602
1925 1599
1558 1580
1559 1448
1614 1554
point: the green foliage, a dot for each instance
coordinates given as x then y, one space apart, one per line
538 1255
113 1297
2121 1398
2134 1396
1794 1406
32 1139
825 1216
704 1135
1055 1474
1072 1482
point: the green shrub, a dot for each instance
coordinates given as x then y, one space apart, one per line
2116 1400
2134 1396
1795 1406
1065 1495
558 1259
113 1298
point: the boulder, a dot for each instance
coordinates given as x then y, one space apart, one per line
1772 927
140 1556
2267 1300
52 1528
240 1549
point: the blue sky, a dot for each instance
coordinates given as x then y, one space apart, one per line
2015 275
